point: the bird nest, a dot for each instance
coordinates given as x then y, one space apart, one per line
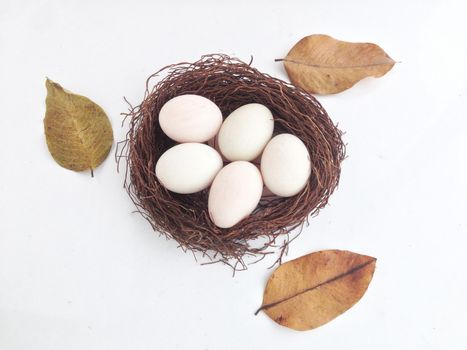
230 83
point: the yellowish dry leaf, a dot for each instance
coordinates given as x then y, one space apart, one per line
310 291
78 132
323 65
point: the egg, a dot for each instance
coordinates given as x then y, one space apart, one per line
190 118
285 165
234 194
188 167
245 132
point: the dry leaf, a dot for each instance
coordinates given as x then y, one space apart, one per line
310 291
78 132
323 65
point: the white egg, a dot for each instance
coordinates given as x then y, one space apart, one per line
245 132
234 193
285 165
188 167
190 118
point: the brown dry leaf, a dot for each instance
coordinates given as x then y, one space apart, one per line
78 132
323 65
310 291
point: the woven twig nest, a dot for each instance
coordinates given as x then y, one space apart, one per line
230 83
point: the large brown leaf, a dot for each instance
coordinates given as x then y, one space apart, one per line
323 65
78 132
310 291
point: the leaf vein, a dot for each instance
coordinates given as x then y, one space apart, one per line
335 278
338 67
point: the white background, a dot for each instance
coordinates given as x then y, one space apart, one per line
78 270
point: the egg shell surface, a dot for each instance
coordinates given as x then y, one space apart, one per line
190 118
234 193
285 165
188 167
245 132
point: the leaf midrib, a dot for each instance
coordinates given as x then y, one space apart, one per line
73 112
336 67
330 280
